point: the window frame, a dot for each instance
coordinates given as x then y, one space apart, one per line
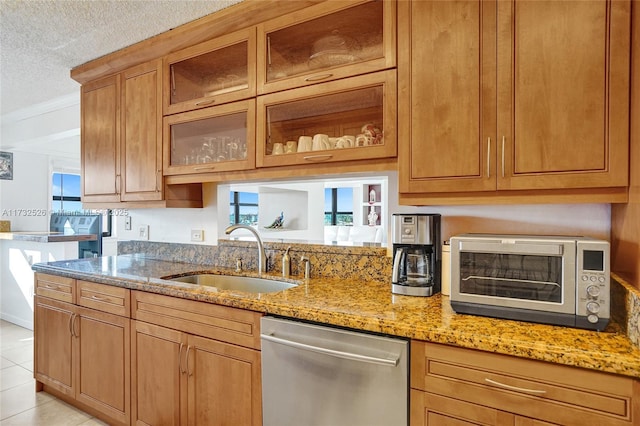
334 208
235 205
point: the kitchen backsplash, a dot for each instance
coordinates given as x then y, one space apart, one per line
625 307
363 263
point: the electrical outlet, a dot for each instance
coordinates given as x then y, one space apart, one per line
127 223
143 233
197 235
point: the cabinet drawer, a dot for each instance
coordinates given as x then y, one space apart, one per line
55 287
223 323
106 298
535 389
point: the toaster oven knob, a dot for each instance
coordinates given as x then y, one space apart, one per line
593 307
593 291
592 319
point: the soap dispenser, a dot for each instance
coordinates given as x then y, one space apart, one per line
286 263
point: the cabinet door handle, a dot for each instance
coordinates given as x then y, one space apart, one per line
320 157
180 359
117 184
319 77
489 157
189 373
269 50
158 178
71 325
52 287
204 168
502 156
209 102
173 81
515 388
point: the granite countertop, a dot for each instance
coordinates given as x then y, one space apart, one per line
46 237
370 306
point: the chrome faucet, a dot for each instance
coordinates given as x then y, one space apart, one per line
262 257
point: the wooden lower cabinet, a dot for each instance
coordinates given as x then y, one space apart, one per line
52 335
182 378
81 354
84 354
103 371
157 357
436 410
456 386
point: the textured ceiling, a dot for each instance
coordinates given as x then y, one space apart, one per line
41 41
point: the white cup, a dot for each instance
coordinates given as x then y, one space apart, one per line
351 139
278 149
320 142
333 142
345 142
291 147
305 143
362 140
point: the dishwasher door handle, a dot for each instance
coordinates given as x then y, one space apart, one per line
332 352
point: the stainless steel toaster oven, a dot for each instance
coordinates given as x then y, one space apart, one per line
546 279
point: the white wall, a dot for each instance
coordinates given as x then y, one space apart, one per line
593 220
25 200
174 225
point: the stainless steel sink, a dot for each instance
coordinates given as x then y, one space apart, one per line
234 282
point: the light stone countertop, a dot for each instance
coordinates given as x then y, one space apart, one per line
46 237
370 306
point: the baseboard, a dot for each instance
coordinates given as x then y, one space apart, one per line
17 321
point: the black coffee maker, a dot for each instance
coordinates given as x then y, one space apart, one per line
416 254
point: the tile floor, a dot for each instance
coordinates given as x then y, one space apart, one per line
19 403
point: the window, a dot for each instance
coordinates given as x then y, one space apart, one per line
66 193
243 208
338 206
66 199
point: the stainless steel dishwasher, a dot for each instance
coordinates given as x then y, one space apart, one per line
321 376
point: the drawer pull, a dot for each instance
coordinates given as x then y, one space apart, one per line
52 287
321 157
515 388
99 299
319 77
209 102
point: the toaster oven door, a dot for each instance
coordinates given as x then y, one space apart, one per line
527 275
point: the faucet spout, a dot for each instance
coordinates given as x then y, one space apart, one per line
262 257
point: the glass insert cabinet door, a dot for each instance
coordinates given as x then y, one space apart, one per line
214 139
328 41
343 120
211 73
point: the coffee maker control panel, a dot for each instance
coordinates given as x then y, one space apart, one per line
415 229
408 230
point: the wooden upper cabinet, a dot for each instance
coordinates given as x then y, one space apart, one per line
211 73
513 95
141 142
331 40
563 94
100 140
215 139
121 139
447 98
348 119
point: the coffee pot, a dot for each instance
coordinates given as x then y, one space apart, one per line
416 254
